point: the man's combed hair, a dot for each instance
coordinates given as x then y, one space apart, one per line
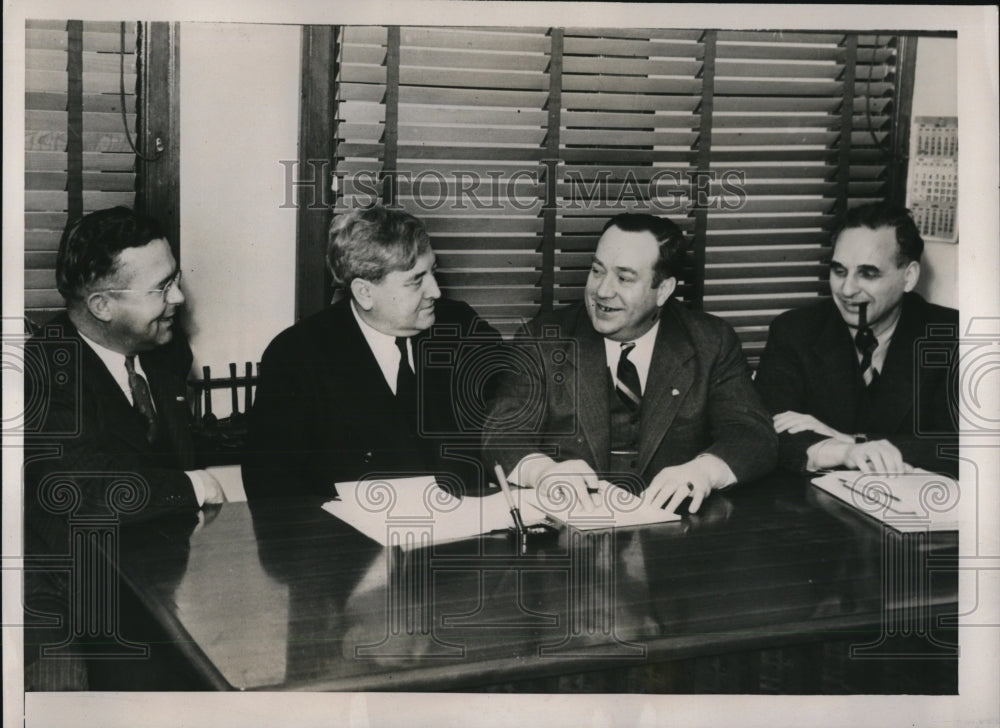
370 243
89 248
875 215
669 239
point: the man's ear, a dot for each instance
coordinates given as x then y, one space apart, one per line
665 290
361 290
911 275
100 306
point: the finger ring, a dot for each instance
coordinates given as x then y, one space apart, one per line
690 488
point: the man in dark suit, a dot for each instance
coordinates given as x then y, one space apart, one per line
109 429
631 386
371 385
846 379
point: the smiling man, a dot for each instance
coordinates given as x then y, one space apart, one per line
346 393
107 381
633 387
861 381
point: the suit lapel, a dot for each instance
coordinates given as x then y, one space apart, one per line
837 364
168 391
593 391
117 414
894 395
670 378
352 361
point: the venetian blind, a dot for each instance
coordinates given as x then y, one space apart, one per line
77 158
629 129
751 142
449 124
799 131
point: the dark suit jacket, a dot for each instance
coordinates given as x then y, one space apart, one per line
324 413
699 398
82 439
809 365
80 422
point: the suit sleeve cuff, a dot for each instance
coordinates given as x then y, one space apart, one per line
198 483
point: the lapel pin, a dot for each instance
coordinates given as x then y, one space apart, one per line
674 392
181 398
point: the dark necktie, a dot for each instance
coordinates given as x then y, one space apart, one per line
867 344
406 380
628 388
141 398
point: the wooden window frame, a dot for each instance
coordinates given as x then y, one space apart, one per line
158 189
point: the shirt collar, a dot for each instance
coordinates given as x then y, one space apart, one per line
641 355
383 346
878 356
114 362
373 336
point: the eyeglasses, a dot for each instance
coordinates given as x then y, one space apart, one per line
169 286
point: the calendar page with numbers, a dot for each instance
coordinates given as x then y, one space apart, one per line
932 181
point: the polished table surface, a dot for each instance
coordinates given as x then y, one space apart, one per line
286 597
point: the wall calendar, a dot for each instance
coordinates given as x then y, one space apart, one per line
932 182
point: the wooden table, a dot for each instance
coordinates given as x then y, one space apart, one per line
773 587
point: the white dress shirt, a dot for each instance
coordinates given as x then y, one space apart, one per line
878 356
115 364
383 346
640 356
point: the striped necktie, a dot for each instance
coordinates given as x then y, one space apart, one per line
141 398
629 389
866 343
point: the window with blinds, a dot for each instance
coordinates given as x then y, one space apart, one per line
77 158
450 124
799 125
516 145
628 139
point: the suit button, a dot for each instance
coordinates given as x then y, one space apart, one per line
579 440
367 457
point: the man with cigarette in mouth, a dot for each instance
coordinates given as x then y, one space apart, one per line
850 380
635 388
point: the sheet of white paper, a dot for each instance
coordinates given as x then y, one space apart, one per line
617 509
911 502
416 512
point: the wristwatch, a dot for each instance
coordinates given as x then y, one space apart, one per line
860 437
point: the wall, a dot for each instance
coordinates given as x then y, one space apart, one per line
935 94
239 99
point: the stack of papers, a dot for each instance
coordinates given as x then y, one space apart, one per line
617 508
919 501
417 512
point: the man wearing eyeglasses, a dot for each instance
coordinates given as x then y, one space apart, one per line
108 426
